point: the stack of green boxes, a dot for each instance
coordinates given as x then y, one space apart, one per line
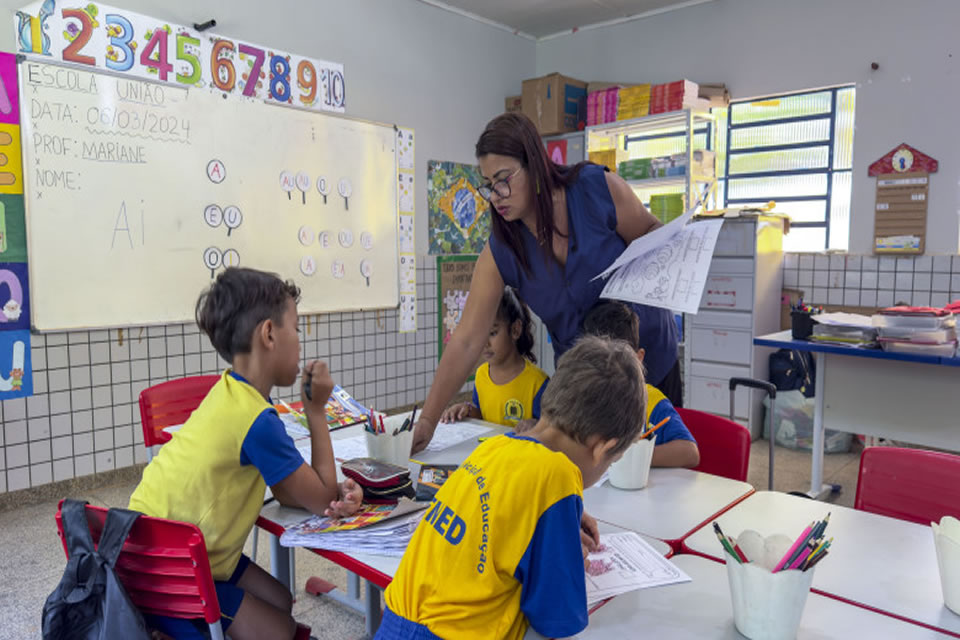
667 206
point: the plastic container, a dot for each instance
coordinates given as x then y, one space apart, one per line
801 324
946 350
793 424
928 336
767 606
946 538
387 447
633 468
915 322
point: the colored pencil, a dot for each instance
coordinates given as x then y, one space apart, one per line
797 545
653 429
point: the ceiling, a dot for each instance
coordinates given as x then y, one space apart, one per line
539 19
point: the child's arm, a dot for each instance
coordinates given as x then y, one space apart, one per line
314 487
676 453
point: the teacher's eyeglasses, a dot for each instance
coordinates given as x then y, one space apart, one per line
500 187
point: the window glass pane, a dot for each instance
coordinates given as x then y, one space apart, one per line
805 239
804 211
665 146
843 130
772 188
786 133
779 107
787 160
840 211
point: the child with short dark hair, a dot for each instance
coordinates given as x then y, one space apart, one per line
675 446
502 547
508 387
215 470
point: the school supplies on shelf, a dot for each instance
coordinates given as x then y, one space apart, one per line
379 529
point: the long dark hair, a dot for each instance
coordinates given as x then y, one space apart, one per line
511 309
514 135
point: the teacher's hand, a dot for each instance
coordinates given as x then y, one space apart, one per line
422 434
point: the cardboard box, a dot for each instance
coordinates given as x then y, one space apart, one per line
555 103
716 94
512 104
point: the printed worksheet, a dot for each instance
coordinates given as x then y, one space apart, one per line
671 276
448 435
626 562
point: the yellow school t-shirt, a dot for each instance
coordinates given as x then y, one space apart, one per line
507 404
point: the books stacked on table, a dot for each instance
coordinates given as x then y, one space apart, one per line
927 331
848 329
378 529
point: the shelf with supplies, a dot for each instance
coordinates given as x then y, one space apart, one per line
669 158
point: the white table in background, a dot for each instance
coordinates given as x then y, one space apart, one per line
702 609
674 503
878 562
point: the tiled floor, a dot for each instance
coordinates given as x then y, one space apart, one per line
32 560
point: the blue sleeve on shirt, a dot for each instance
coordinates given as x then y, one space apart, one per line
269 448
674 429
553 595
537 398
476 398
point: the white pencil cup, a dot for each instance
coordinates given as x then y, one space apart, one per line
633 468
946 538
387 447
767 606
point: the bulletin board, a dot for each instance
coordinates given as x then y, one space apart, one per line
138 193
454 274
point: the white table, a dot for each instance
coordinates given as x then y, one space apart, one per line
674 503
896 396
877 562
702 609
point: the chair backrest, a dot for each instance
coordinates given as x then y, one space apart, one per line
163 566
724 444
170 403
909 484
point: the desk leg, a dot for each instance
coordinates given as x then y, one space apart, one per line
817 488
281 562
372 606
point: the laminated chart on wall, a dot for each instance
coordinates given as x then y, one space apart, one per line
666 268
148 191
16 373
408 257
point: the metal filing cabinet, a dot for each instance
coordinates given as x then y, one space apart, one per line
741 300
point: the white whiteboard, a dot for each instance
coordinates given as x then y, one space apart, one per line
122 215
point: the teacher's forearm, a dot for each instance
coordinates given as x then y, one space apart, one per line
456 364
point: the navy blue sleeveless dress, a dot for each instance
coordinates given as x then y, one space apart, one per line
562 296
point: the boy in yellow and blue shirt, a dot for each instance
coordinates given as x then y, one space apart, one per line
674 444
501 547
215 470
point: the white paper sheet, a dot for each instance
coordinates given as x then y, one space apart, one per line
625 563
448 435
648 242
843 319
672 275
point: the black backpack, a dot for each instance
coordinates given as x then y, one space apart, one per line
90 603
793 370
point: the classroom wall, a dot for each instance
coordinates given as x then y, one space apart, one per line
763 47
406 63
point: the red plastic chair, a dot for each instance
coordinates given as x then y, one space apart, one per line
909 484
724 444
163 566
170 403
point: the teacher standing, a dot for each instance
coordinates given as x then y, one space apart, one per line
554 229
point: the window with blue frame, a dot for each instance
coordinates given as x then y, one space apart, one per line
795 149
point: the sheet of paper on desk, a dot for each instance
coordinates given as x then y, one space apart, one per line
673 275
843 319
448 435
343 449
626 562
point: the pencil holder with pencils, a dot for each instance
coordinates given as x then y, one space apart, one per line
387 444
801 324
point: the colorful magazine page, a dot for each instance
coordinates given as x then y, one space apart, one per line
342 410
368 514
